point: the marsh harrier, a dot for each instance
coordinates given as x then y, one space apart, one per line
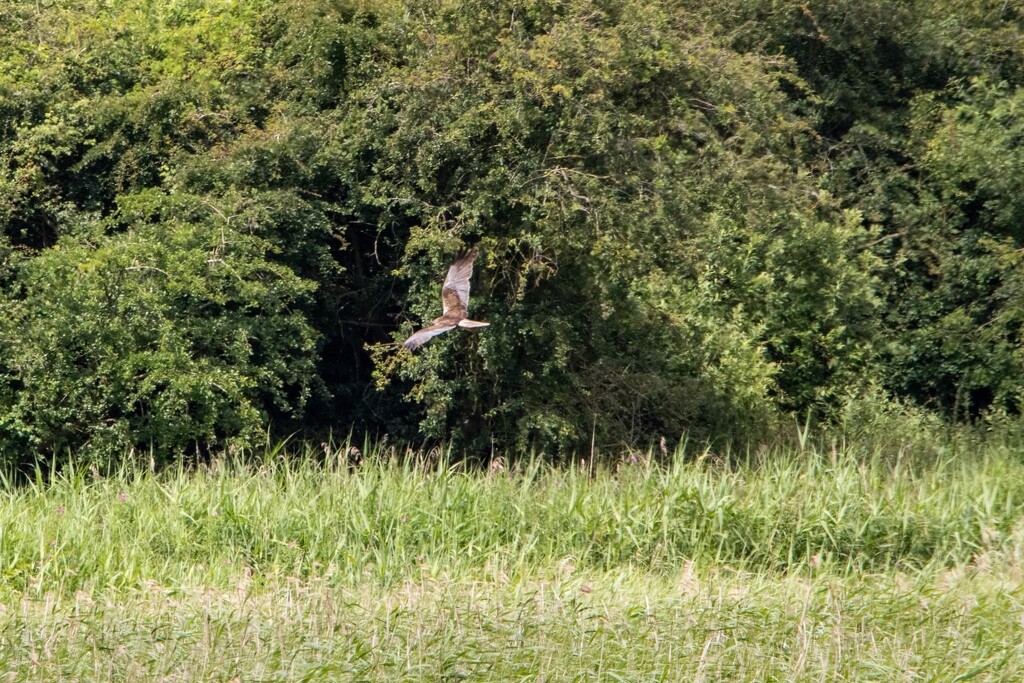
455 298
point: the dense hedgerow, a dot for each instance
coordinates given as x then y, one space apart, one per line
217 219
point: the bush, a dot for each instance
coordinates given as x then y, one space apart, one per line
219 220
178 333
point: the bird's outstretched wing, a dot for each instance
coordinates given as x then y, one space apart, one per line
455 292
420 337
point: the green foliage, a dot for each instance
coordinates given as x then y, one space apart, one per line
693 217
967 319
180 332
917 109
951 218
644 225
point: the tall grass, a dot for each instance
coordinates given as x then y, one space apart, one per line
299 516
811 564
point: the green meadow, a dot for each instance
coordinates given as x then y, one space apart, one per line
790 564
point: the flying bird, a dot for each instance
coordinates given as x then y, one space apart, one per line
455 298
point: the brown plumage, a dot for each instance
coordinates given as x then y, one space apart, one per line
455 299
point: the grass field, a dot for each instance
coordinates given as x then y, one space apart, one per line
801 565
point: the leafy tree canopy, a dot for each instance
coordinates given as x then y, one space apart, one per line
218 219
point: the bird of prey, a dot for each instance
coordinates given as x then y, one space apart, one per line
455 298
